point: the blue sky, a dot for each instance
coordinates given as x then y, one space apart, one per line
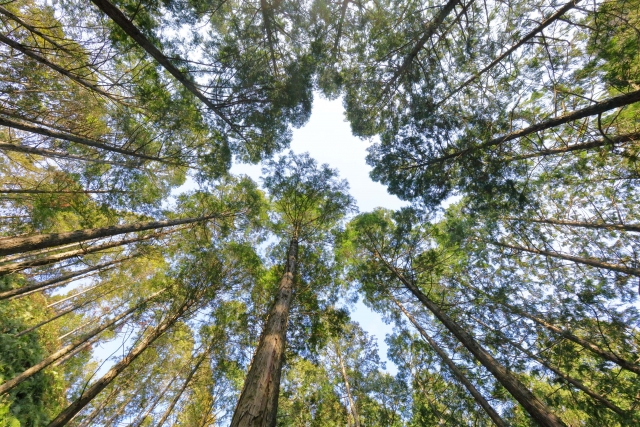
328 139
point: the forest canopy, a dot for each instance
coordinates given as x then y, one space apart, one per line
511 278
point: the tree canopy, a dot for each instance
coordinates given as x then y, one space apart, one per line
141 283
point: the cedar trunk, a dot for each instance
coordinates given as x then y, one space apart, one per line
258 403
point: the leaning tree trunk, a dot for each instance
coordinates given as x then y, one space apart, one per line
55 258
13 245
58 281
534 407
91 392
8 385
258 403
574 382
479 398
347 386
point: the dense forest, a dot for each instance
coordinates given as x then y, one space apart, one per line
511 128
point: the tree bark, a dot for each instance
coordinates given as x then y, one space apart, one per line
39 130
479 398
13 245
132 31
52 259
574 382
184 386
544 24
610 140
65 312
429 30
55 154
58 281
352 404
258 403
536 409
8 385
595 225
592 110
593 262
605 354
90 392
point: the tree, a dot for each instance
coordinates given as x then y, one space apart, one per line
308 201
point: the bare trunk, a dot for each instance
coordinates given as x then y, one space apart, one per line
39 130
55 154
132 31
258 403
595 225
90 392
536 409
58 281
579 260
65 312
429 30
479 398
12 245
27 51
605 354
592 110
609 141
544 24
343 12
352 404
574 382
52 259
184 386
8 385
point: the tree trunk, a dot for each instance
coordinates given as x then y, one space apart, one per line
536 409
12 245
544 24
595 225
605 354
90 392
138 422
26 50
592 110
429 30
65 312
77 139
52 259
55 154
58 281
609 141
352 404
187 380
258 403
132 31
8 385
579 260
479 398
574 382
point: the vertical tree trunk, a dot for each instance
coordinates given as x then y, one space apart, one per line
90 392
352 404
536 409
258 403
479 398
